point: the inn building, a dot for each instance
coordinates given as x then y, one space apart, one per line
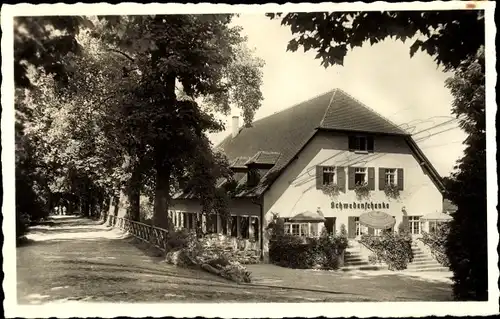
319 165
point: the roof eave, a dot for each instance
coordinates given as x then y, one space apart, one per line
362 132
433 174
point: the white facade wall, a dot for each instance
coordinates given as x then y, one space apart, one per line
295 189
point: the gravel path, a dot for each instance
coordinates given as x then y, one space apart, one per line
75 259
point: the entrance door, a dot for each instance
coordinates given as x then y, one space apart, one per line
330 224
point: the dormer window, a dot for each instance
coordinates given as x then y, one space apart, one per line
253 177
361 143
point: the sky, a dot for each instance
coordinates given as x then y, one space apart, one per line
383 76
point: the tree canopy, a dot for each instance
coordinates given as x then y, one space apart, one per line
129 109
438 33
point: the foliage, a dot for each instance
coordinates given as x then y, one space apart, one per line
392 248
439 33
362 191
436 241
212 253
178 239
466 246
392 191
43 42
208 58
404 227
291 251
236 272
332 190
104 114
276 227
297 252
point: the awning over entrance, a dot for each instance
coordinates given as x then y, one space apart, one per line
308 216
377 220
437 217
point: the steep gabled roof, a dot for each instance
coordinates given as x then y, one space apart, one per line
279 138
347 113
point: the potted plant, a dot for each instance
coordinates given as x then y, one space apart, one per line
392 191
332 190
362 190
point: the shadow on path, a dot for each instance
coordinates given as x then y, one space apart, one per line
81 259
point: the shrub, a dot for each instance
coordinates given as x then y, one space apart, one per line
391 191
362 191
276 226
178 239
332 190
213 253
437 243
236 272
297 252
392 248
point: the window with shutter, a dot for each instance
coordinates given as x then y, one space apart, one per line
360 177
390 176
352 181
319 177
341 178
371 178
328 175
381 179
400 177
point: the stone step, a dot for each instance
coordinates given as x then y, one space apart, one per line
430 269
423 261
363 267
356 263
423 258
353 257
427 266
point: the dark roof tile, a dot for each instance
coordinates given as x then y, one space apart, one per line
278 138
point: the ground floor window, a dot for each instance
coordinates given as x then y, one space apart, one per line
255 227
360 229
212 223
185 223
245 227
302 229
330 224
234 226
223 224
414 224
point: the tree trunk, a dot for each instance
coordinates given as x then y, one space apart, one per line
162 195
133 193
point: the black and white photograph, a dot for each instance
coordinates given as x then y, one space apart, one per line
219 161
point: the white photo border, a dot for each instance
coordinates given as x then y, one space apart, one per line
234 310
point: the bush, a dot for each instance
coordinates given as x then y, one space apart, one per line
236 272
437 243
392 248
213 253
303 253
178 239
276 226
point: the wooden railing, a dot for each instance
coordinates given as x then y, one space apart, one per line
153 235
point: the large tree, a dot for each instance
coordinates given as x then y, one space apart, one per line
467 242
203 55
441 35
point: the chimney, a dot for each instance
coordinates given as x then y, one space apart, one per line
236 125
